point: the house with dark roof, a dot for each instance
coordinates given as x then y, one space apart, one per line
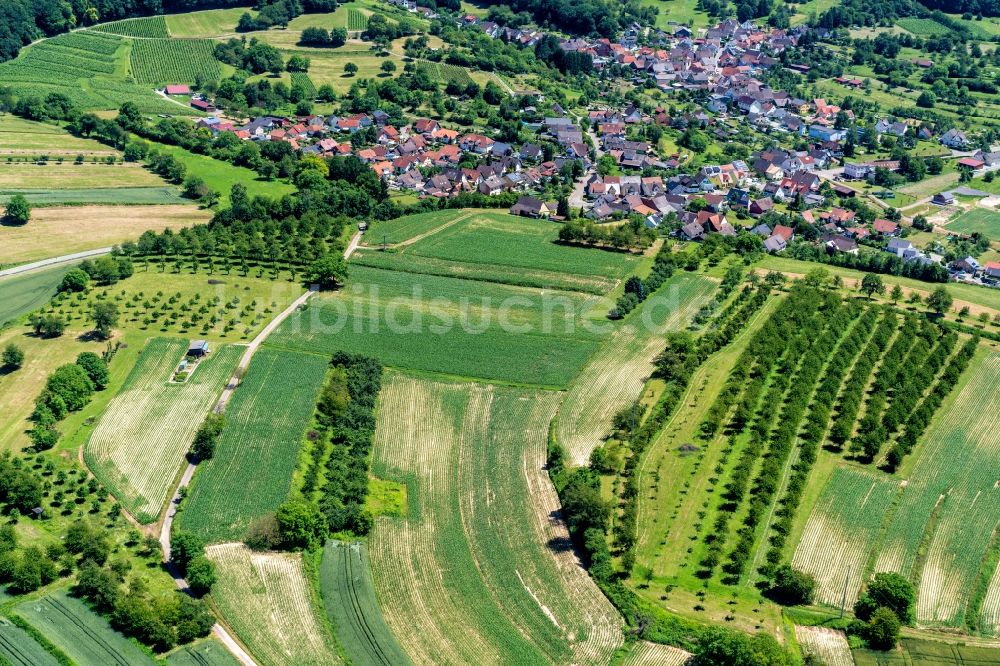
531 207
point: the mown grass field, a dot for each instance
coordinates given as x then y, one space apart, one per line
268 601
481 509
221 176
462 328
140 441
350 602
83 635
327 66
615 375
18 648
117 196
23 138
57 231
986 222
265 422
209 23
644 653
27 177
828 645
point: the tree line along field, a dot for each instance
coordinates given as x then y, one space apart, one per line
268 601
616 373
266 420
350 602
140 440
482 509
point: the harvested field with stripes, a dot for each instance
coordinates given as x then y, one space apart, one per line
267 600
829 645
842 530
615 375
140 441
645 653
471 455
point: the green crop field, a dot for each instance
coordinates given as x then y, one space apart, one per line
481 508
20 294
981 220
462 328
173 60
524 243
842 529
408 227
268 601
615 375
261 433
151 26
208 652
445 73
18 648
349 599
140 441
83 635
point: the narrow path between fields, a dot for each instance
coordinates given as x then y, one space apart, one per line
218 629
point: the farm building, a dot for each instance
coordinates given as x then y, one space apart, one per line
531 207
943 199
198 348
178 89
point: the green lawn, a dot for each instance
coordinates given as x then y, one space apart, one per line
221 176
682 12
25 137
986 222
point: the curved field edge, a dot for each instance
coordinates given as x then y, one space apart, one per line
267 600
255 458
471 455
615 375
140 440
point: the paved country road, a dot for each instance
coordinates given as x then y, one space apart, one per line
54 261
220 631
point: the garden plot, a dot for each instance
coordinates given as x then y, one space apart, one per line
471 455
266 599
140 441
